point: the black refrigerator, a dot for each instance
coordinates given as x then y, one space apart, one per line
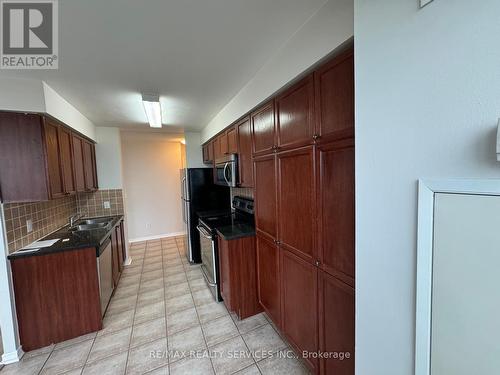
199 193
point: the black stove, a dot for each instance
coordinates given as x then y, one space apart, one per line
208 223
243 214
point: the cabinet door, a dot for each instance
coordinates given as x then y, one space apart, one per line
124 246
297 217
299 283
206 157
23 176
336 324
115 258
265 195
225 275
95 186
263 129
88 165
223 145
294 114
78 164
210 148
66 157
336 209
268 278
334 84
232 141
119 247
245 153
220 146
53 161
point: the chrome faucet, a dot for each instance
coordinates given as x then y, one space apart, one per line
73 218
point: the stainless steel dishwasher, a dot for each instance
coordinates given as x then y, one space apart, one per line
105 271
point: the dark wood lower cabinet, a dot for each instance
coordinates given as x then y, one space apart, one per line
238 276
299 288
57 297
268 276
336 325
117 248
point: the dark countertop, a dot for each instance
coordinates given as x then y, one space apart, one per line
73 240
235 231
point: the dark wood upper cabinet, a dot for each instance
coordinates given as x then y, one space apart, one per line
223 145
42 159
295 114
334 84
220 146
245 153
53 159
232 140
299 282
296 197
23 173
90 172
263 129
336 324
265 195
335 170
78 163
208 153
268 276
66 159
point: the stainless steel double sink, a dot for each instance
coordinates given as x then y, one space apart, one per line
90 224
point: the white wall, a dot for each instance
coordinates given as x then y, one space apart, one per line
194 155
8 321
427 103
151 164
21 94
57 106
33 95
109 158
320 35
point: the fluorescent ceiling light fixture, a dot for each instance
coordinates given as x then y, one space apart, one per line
152 108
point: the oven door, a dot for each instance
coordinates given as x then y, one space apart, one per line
209 260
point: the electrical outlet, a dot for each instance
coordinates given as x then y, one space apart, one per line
29 225
107 204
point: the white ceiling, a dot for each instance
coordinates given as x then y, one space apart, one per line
197 54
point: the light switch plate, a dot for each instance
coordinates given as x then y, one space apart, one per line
29 225
423 3
106 204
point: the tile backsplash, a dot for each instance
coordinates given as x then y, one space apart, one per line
242 192
93 203
48 216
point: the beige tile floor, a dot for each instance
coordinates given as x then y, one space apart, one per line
162 319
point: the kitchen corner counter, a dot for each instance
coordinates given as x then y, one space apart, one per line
236 231
71 240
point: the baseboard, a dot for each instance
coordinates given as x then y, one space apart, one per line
155 237
12 357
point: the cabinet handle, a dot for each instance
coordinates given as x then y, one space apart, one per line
316 137
317 263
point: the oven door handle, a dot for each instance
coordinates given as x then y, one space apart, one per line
203 232
205 276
